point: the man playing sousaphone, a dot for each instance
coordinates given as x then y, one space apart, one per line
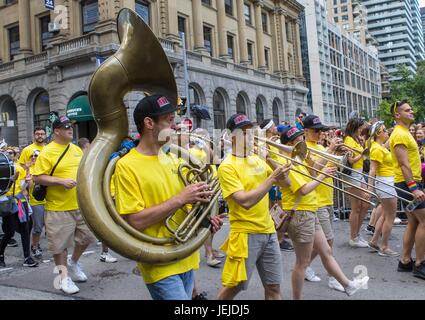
149 189
245 181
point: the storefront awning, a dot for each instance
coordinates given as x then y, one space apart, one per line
79 109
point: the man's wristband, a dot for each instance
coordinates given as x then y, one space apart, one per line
412 186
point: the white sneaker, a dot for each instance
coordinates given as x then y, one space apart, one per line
76 272
309 275
397 220
106 257
356 285
356 243
361 239
68 286
334 284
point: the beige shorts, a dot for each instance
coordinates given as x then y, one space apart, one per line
302 226
325 216
65 229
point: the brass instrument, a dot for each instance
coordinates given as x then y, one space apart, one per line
139 64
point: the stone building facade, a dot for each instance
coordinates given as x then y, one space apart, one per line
242 55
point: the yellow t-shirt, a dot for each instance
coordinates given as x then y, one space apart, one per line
402 136
290 195
349 141
58 198
199 154
33 201
137 189
236 174
325 194
22 175
27 153
383 156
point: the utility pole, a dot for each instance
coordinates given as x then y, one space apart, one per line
186 76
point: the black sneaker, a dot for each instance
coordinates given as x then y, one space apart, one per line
36 252
419 272
286 246
370 229
201 296
2 264
405 267
12 243
29 262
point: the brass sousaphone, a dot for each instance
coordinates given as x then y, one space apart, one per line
139 64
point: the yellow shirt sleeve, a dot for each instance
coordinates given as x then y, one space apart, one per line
399 139
229 180
128 197
377 155
24 158
297 181
42 166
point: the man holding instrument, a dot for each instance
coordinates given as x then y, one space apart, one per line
245 180
149 189
407 169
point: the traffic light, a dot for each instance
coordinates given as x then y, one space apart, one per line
181 106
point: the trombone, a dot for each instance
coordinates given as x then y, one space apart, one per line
299 152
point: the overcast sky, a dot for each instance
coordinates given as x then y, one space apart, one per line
421 3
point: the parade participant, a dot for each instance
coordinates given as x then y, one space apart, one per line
381 167
304 229
38 144
145 198
358 208
37 209
407 169
64 223
313 129
245 180
105 256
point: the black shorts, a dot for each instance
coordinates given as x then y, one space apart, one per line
403 185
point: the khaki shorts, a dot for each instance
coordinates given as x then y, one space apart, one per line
65 229
302 226
325 216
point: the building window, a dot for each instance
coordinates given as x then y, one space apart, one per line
336 10
344 9
267 57
249 47
240 104
345 17
230 47
142 9
336 19
6 2
335 2
208 40
259 110
90 15
247 13
218 110
181 25
207 2
13 42
228 7
41 110
44 32
264 22
288 32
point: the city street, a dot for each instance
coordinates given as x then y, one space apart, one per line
117 281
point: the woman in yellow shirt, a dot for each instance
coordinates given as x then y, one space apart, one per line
358 208
381 167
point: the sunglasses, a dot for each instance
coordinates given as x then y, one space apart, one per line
67 126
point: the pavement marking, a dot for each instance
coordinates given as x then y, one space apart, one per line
6 269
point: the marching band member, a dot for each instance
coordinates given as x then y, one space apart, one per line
299 199
245 180
407 169
313 128
381 167
358 208
147 197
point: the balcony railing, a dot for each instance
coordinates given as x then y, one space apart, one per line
167 45
36 58
7 66
74 44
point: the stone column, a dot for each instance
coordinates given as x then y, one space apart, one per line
171 21
243 48
24 27
258 4
285 67
222 36
198 27
297 50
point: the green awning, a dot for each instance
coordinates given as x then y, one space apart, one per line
79 109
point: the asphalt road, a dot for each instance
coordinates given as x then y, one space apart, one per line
117 281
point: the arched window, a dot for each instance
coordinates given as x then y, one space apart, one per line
41 110
275 111
240 104
259 110
219 110
8 120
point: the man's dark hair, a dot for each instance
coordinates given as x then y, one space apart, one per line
264 123
140 126
352 126
39 129
397 105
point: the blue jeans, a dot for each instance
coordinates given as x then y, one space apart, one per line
177 287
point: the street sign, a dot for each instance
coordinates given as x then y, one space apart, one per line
188 123
49 4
